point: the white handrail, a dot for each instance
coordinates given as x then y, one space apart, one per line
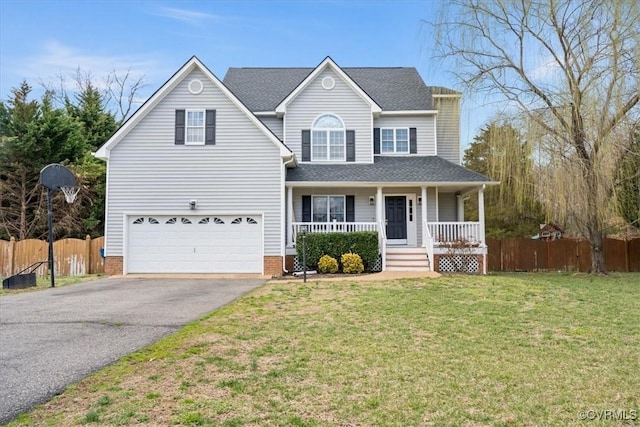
382 237
427 240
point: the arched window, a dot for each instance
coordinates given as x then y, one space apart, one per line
328 138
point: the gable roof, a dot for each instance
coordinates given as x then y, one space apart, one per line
388 169
328 63
392 88
192 64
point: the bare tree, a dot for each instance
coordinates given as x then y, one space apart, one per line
571 70
121 92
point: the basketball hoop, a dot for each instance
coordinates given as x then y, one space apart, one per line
70 193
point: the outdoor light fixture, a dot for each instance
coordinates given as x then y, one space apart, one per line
192 204
372 200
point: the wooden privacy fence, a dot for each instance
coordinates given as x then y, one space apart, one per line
72 257
561 254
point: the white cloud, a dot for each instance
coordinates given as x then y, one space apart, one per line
56 65
58 60
546 71
191 17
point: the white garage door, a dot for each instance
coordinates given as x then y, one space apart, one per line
194 244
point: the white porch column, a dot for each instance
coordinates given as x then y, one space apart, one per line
460 208
290 216
481 212
379 205
423 205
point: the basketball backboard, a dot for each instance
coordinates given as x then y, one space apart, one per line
55 175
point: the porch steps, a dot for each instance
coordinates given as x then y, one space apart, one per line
403 258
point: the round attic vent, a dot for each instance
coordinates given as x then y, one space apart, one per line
195 86
328 83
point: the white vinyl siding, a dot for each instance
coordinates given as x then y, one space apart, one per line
342 101
447 207
149 173
274 124
425 130
448 128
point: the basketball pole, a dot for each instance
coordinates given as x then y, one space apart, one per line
50 221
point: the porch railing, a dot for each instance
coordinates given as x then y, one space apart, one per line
427 239
333 227
444 232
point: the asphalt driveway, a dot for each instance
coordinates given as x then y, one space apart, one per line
55 337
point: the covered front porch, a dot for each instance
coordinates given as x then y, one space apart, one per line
415 224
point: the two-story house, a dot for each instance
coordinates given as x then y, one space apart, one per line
212 176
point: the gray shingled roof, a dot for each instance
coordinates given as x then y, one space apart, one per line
393 89
387 169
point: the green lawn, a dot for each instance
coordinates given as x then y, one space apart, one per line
526 349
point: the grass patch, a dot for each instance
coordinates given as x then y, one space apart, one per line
45 283
508 349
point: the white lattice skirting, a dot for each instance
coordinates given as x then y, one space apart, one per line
458 263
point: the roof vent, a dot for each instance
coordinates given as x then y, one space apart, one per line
195 86
328 83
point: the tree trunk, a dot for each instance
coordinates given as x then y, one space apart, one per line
597 254
593 224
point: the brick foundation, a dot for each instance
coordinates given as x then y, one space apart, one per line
436 262
113 265
273 265
481 261
289 263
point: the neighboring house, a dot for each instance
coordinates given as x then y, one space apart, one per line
549 231
213 176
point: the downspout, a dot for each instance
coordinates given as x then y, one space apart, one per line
283 209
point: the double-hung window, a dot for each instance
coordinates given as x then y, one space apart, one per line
328 208
394 141
195 127
328 138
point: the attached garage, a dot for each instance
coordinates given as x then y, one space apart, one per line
194 244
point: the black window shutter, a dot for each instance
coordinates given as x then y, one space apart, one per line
376 140
179 140
351 208
306 208
351 146
413 141
210 127
306 145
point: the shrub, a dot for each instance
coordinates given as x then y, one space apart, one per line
352 263
327 264
364 243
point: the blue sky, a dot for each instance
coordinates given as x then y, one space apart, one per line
41 40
